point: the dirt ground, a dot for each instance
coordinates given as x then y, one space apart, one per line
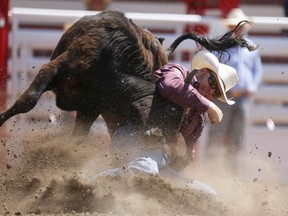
47 172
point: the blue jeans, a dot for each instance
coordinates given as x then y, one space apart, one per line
128 144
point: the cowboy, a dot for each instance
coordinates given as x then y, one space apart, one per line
210 79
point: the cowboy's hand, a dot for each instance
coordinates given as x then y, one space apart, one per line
214 113
178 161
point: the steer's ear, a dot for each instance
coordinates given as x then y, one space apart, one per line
161 40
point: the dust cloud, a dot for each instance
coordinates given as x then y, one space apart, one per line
48 172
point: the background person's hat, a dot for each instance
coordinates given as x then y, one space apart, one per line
235 16
225 75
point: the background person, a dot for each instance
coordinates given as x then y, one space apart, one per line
230 133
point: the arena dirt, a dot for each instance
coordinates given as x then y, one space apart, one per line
49 173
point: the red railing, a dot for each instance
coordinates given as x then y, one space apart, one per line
200 6
4 7
4 25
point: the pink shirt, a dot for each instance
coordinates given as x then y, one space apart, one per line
172 86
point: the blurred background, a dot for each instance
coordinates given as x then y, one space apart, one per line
30 29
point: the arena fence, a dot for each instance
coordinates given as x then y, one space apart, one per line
35 32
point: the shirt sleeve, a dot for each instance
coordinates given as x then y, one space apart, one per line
172 86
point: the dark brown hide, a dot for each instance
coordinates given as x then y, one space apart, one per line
103 64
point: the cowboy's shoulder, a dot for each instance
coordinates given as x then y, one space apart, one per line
180 67
174 67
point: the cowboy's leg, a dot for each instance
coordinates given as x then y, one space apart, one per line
129 152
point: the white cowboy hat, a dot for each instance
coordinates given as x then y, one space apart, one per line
226 76
235 16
